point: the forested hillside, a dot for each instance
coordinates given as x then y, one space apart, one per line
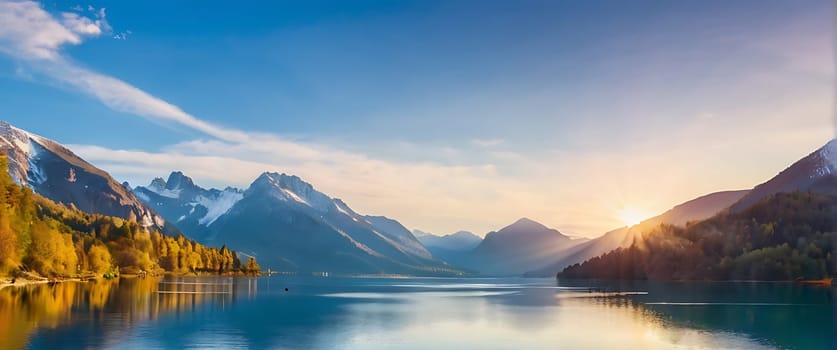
783 237
41 236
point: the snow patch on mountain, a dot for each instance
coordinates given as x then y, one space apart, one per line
23 145
24 156
35 174
157 185
828 155
290 195
218 206
19 139
340 209
357 244
173 193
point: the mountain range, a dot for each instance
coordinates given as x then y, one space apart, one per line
187 205
290 226
449 247
529 248
515 249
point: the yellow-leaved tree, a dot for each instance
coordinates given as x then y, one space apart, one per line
100 259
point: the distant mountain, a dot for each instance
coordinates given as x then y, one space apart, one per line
187 205
55 172
522 246
290 226
816 173
458 241
694 210
419 234
452 248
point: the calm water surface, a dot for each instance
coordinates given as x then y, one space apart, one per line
421 313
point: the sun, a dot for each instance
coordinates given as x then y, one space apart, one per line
632 216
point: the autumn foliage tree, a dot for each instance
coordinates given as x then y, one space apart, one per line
99 258
252 266
53 240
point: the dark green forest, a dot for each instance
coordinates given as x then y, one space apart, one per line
783 237
50 239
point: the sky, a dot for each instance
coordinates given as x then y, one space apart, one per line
445 115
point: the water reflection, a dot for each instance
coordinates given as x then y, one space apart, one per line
87 313
785 315
420 313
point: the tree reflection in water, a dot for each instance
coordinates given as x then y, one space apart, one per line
26 309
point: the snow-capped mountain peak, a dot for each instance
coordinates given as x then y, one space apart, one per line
175 186
292 188
14 137
178 181
285 220
816 172
23 152
180 198
157 185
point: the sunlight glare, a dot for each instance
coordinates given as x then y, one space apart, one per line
632 216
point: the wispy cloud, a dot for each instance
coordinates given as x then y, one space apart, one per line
30 33
36 38
122 35
84 25
487 143
121 96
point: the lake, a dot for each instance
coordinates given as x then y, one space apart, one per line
419 313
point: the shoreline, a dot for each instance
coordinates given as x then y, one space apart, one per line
819 282
29 282
23 282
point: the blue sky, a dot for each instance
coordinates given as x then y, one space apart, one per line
445 115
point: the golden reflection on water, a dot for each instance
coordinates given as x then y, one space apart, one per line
25 308
573 320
